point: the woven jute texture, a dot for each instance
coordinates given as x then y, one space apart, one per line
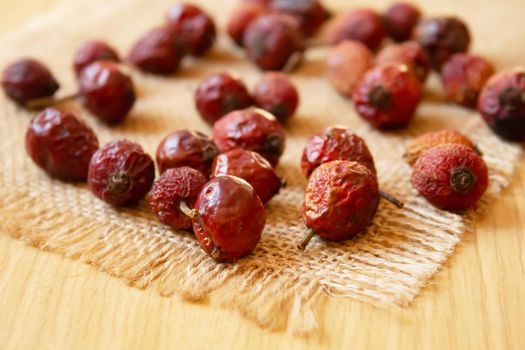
277 286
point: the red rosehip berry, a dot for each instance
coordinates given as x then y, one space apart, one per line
28 79
187 148
251 129
441 37
451 177
309 14
241 18
362 25
106 92
387 96
346 64
92 51
271 40
229 218
176 187
121 173
220 94
196 29
408 53
253 168
61 144
276 94
502 104
335 143
400 19
157 52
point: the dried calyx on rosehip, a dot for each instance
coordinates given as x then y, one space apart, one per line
61 144
362 25
276 94
408 53
240 18
121 173
310 15
92 51
400 19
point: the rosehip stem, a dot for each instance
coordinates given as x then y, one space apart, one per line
44 102
293 62
309 234
191 213
391 199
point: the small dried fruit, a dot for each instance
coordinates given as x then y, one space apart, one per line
276 94
451 177
408 53
309 14
121 173
362 25
61 144
92 51
240 19
400 19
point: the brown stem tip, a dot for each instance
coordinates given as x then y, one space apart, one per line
389 197
191 213
309 234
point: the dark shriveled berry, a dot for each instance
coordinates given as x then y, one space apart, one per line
309 14
92 51
276 94
240 19
121 173
400 19
408 53
61 144
362 25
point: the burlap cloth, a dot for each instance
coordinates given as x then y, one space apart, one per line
278 285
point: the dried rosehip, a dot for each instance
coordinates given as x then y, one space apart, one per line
106 92
175 188
196 29
309 14
346 64
92 51
362 25
335 143
253 168
229 218
400 19
408 53
120 173
157 52
61 144
220 94
276 94
441 37
187 148
451 177
251 129
241 18
387 96
28 79
271 40
502 104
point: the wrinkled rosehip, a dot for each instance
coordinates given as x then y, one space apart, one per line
61 144
28 79
251 129
362 25
196 29
271 40
400 19
92 51
309 14
387 96
106 92
187 148
220 94
240 19
276 94
230 218
346 64
451 177
335 143
253 168
502 104
173 187
408 53
121 173
441 37
157 52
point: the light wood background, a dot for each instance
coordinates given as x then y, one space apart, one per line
476 302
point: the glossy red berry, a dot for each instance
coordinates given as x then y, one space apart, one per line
230 218
362 25
61 144
251 129
400 19
309 14
28 79
502 104
186 148
220 94
451 177
121 173
408 53
335 143
253 168
106 91
387 96
276 94
173 187
271 40
92 51
240 19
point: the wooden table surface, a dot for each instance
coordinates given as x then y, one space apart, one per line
476 302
